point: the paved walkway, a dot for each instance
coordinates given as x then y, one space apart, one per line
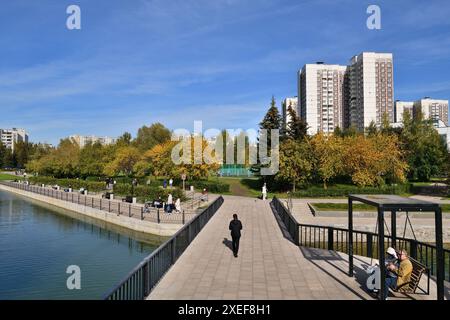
269 265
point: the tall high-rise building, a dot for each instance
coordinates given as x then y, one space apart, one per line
433 109
83 140
293 102
344 96
401 107
9 137
321 96
371 89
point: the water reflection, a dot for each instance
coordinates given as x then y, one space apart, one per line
39 241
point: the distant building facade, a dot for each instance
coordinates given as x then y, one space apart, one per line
9 137
321 96
433 109
84 140
333 96
402 106
371 89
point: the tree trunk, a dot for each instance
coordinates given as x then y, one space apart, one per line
293 186
325 184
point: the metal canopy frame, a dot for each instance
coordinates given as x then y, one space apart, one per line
393 204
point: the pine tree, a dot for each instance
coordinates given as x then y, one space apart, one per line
372 129
272 119
296 129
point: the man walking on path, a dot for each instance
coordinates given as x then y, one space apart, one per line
235 227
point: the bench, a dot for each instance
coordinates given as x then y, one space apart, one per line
411 286
128 199
107 195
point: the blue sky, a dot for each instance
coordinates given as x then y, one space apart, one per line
135 62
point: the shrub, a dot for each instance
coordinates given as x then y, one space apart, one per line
211 186
147 192
69 183
345 190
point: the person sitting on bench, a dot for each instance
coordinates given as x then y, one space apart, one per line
402 273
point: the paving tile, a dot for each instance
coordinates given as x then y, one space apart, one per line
268 267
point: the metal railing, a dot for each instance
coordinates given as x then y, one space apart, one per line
143 278
365 243
111 206
289 221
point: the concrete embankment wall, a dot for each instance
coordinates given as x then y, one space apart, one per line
160 229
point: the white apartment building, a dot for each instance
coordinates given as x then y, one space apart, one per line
401 107
371 89
9 137
433 109
293 102
83 140
322 96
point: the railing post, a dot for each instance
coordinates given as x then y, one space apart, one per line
174 246
157 211
183 217
142 213
369 245
330 238
146 279
129 210
413 249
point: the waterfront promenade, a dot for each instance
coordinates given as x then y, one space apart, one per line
115 211
269 265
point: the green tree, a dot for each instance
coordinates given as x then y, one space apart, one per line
372 129
9 160
271 121
2 154
296 129
296 163
425 150
92 160
124 140
148 137
328 154
22 152
124 162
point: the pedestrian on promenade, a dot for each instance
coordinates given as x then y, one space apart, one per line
170 183
235 227
264 191
169 203
178 205
165 183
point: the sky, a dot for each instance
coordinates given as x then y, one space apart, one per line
136 62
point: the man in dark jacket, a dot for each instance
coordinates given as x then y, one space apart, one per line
235 227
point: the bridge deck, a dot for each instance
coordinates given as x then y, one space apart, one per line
269 266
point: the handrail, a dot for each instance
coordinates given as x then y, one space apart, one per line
143 278
112 206
364 244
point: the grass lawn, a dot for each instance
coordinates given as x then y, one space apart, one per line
356 207
5 176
